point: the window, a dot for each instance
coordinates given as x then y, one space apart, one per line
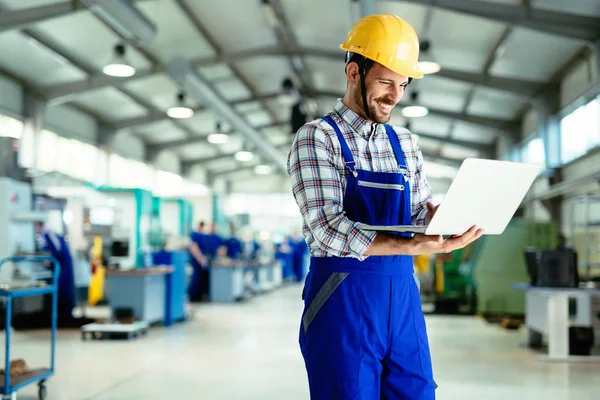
580 131
10 127
533 152
128 173
47 151
168 184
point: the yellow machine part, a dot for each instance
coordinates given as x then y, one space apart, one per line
439 275
422 264
96 289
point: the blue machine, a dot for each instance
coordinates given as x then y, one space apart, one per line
176 291
10 384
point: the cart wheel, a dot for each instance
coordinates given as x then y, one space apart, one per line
42 390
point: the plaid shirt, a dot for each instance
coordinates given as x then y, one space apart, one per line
318 177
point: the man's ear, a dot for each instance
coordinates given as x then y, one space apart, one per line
352 73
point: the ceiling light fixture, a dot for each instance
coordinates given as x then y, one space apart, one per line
119 66
218 138
262 169
427 64
414 110
244 156
180 111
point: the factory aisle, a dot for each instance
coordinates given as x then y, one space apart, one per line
249 351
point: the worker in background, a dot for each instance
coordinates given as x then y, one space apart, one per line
198 249
233 244
362 331
215 248
300 254
55 244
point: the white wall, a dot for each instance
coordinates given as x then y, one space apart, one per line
11 97
203 209
197 174
169 217
168 161
69 122
582 77
129 146
275 183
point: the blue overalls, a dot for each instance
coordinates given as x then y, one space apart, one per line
58 248
362 332
195 284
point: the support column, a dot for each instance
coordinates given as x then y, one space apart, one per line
106 137
34 109
549 128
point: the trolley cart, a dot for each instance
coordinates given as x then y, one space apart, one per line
11 290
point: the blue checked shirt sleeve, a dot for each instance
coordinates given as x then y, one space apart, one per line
317 188
421 193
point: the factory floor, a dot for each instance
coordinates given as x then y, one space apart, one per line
249 351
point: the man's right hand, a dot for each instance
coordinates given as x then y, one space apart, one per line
431 244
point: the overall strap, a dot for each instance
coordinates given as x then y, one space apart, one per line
348 159
393 136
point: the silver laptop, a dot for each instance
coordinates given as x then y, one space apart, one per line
486 193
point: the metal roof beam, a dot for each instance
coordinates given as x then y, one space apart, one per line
519 87
504 125
203 32
60 93
287 39
182 72
508 126
19 19
487 150
576 27
202 139
65 92
158 116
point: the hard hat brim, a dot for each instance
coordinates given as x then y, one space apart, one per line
404 69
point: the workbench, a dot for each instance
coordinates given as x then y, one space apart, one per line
143 290
228 282
547 313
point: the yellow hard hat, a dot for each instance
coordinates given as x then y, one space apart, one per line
388 40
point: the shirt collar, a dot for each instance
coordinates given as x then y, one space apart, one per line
359 124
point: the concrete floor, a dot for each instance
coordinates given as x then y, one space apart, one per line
250 351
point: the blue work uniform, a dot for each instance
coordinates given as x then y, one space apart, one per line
195 287
58 248
362 331
234 247
300 252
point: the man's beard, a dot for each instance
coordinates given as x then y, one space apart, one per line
372 114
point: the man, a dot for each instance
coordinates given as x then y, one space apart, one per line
54 244
362 331
198 251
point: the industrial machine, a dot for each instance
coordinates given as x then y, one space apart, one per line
479 278
134 230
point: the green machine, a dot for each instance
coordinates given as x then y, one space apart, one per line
135 227
184 214
479 278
